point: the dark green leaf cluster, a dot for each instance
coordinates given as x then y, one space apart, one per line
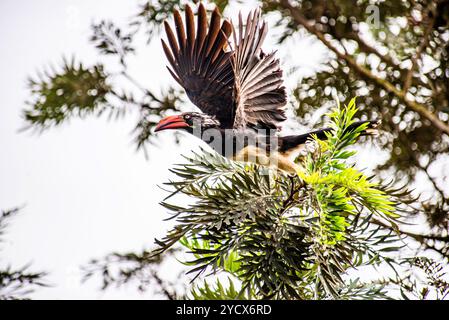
74 90
219 292
79 91
400 55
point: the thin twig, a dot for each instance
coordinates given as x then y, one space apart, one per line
138 85
162 286
416 236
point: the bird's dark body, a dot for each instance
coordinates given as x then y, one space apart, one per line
266 146
229 142
237 86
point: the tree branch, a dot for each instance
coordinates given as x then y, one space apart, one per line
421 109
416 236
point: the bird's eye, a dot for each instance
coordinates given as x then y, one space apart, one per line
187 117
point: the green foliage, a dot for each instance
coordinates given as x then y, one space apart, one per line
357 290
282 236
76 90
56 96
340 189
16 284
218 292
402 43
109 39
201 249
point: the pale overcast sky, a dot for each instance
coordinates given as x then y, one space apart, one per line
86 191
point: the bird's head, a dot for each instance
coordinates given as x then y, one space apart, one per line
189 121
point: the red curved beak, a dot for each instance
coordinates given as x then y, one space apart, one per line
171 122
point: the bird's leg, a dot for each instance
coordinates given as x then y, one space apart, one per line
273 160
287 165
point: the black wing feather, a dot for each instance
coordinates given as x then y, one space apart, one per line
200 63
258 89
241 88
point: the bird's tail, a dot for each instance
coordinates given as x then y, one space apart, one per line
290 143
371 129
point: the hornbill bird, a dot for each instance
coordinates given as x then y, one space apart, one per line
237 86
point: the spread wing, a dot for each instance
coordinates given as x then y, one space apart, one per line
241 88
200 62
259 95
